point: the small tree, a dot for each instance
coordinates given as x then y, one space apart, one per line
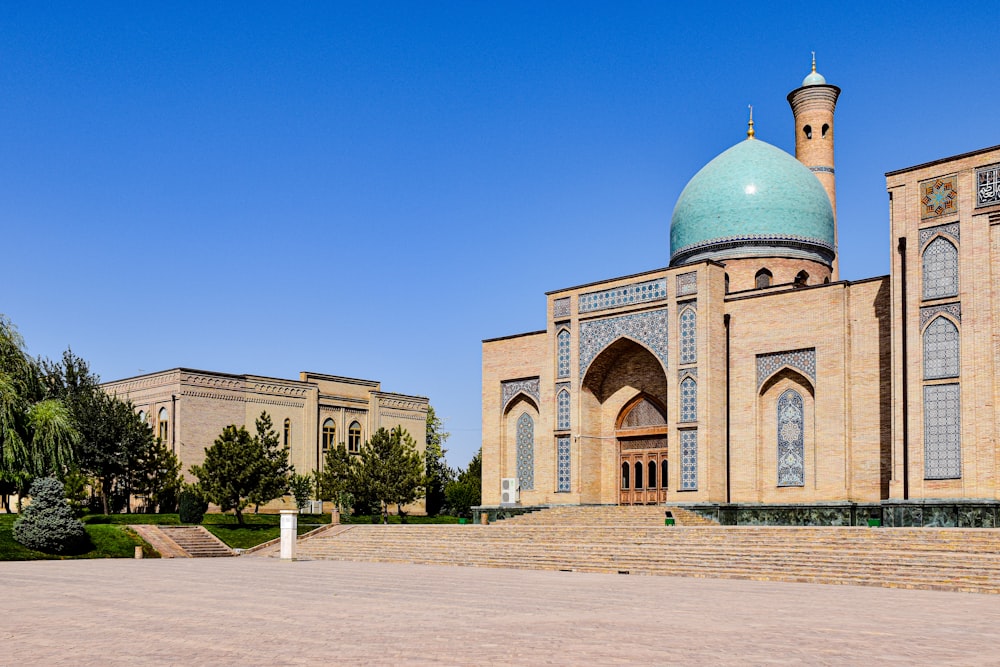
466 491
301 487
156 476
391 469
232 470
275 468
334 479
437 470
191 507
48 524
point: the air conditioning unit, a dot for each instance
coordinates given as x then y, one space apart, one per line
509 491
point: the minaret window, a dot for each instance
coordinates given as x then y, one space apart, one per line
763 279
801 279
826 130
808 131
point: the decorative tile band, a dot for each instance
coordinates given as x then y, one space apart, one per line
988 185
651 290
648 328
939 197
687 283
950 229
801 360
512 388
928 313
560 307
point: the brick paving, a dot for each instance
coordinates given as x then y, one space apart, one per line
261 611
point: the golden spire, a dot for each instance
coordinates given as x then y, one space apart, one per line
750 131
814 61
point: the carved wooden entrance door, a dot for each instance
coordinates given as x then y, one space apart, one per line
642 452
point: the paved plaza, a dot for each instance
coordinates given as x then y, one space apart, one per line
261 611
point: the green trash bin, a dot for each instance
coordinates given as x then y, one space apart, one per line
669 518
874 523
461 522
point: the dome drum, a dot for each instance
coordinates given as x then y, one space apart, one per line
759 245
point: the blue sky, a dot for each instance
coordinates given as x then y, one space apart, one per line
370 189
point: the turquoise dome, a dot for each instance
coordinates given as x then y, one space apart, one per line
814 78
752 200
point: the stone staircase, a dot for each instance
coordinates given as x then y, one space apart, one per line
608 515
945 558
183 541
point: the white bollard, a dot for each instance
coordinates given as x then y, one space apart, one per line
289 526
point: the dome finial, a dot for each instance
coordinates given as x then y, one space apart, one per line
814 78
750 131
814 61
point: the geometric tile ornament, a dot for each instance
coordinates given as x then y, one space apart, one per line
562 354
940 269
687 283
988 185
651 290
951 229
563 465
941 350
791 446
648 328
942 432
560 307
562 407
938 197
689 400
688 326
685 372
689 460
928 312
526 451
802 360
511 388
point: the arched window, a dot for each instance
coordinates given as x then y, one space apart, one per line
801 278
354 438
651 477
763 279
663 474
164 424
288 433
563 469
142 416
625 474
940 269
526 451
941 346
562 356
808 131
791 443
329 435
826 130
689 400
638 474
562 410
689 336
727 283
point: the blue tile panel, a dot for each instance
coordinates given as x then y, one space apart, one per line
562 353
687 283
526 451
988 185
689 336
941 349
648 328
562 409
689 400
940 263
651 290
791 443
689 460
511 388
942 432
564 464
560 307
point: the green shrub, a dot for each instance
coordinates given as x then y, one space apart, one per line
48 524
191 507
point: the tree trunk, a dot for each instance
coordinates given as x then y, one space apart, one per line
239 515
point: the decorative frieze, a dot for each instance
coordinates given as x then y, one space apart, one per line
951 229
928 313
648 328
988 185
512 388
803 361
939 197
650 290
687 283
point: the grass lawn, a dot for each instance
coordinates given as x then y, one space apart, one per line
106 541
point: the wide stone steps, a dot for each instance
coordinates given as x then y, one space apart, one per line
593 515
196 541
953 559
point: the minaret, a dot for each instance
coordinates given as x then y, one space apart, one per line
813 105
